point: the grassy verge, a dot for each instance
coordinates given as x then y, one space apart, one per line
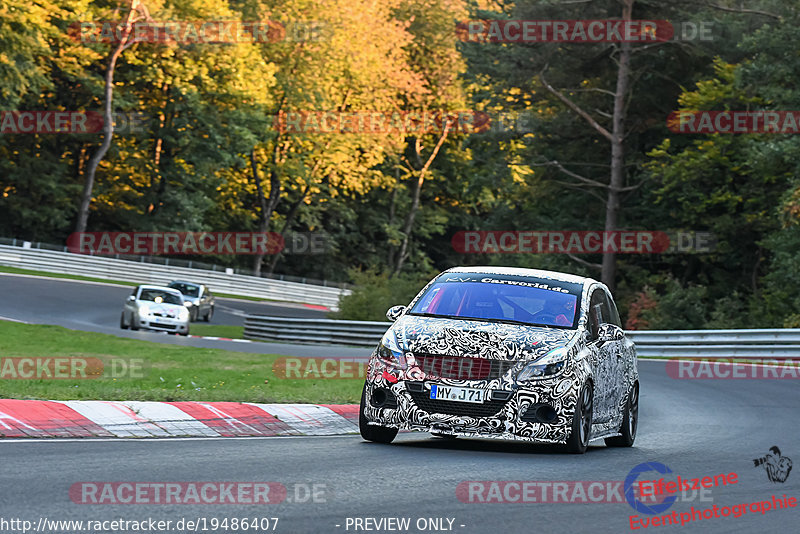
217 330
162 372
16 270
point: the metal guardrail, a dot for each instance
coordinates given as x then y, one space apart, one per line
180 262
750 343
107 268
773 343
291 330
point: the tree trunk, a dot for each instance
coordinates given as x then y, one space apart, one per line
288 221
108 119
617 151
267 205
402 254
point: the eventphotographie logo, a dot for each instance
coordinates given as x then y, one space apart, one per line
777 466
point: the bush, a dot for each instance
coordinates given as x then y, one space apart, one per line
670 307
376 292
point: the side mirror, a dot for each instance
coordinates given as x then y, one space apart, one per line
131 298
609 332
395 312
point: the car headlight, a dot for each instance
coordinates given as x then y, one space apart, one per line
549 364
389 351
183 314
144 310
188 303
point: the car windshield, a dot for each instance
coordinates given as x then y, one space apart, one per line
190 290
159 296
512 299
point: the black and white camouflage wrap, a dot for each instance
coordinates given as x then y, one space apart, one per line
612 376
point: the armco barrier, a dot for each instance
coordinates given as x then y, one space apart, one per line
149 273
774 343
751 343
329 331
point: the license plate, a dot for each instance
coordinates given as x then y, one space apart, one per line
457 394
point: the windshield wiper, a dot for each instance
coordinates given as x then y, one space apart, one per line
488 320
441 316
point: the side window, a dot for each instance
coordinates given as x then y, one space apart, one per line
599 312
613 313
595 312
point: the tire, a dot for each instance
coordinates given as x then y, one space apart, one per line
581 421
193 314
122 321
133 324
378 434
630 421
209 315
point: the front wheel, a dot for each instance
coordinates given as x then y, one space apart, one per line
581 422
630 421
376 433
122 321
209 315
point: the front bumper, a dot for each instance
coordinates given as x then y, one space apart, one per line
163 324
411 408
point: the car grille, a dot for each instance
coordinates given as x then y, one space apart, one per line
162 325
462 368
169 315
465 409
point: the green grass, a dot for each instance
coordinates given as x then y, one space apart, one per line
169 372
216 330
16 270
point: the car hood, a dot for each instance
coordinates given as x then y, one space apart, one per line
172 309
458 337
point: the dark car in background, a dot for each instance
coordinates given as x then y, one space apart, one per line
197 298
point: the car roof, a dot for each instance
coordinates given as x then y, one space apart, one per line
160 288
185 282
520 271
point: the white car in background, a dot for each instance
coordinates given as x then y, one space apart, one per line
155 308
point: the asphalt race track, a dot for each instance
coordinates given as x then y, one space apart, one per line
96 307
696 427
